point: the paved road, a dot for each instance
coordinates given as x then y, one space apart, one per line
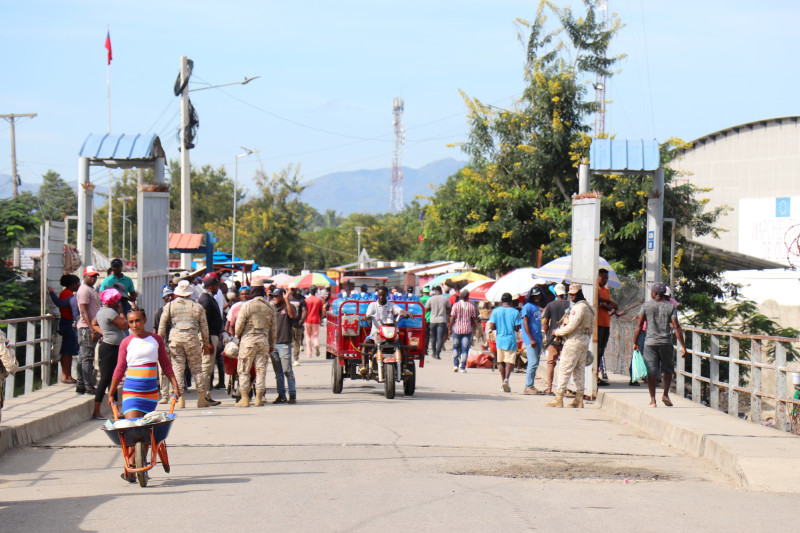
459 455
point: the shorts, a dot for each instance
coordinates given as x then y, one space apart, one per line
658 358
506 356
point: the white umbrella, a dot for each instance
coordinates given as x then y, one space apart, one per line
561 269
517 282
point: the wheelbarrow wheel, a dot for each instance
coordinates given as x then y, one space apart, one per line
162 455
139 458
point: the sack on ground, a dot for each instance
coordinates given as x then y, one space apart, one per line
478 359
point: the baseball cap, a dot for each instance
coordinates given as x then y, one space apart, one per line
210 280
90 271
167 291
293 285
575 288
659 288
535 291
560 289
364 288
426 289
277 292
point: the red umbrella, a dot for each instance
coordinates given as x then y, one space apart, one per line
477 289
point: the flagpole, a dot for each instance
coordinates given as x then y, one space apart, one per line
110 179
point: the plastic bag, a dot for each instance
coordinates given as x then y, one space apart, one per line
638 368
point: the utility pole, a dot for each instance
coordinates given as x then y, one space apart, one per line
14 177
186 182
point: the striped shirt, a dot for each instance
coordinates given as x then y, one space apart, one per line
463 313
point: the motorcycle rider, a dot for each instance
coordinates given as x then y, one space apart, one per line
376 313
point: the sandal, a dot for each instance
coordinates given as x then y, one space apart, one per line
666 401
70 381
90 390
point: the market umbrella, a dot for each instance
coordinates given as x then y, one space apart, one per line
281 280
477 289
441 278
561 269
316 279
469 276
517 282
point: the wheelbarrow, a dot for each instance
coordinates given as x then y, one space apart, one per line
134 439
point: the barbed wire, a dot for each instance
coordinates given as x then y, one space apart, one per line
792 240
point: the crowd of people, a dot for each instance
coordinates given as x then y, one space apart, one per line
203 317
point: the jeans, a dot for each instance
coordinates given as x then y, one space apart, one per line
461 344
602 341
282 364
438 332
86 377
533 363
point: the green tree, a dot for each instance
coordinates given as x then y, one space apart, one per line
56 198
17 218
269 225
514 196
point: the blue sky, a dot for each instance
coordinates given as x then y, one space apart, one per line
691 68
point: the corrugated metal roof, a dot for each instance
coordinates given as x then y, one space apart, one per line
121 147
735 129
185 240
622 154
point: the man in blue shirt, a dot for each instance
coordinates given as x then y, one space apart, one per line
506 321
532 335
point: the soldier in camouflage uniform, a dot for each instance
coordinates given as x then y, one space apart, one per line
577 334
8 365
184 323
256 328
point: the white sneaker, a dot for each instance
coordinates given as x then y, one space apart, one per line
506 387
455 369
463 370
296 363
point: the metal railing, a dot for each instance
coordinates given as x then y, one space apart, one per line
736 382
31 339
743 375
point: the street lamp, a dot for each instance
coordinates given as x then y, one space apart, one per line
124 199
247 151
359 229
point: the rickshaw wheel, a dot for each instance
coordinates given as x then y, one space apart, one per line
139 458
337 377
410 383
388 376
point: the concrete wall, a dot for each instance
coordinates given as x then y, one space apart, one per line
755 160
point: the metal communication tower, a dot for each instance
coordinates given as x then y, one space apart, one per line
600 82
396 193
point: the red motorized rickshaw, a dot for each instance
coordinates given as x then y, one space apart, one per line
391 360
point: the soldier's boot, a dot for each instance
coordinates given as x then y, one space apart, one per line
245 399
211 401
558 401
181 401
578 401
259 399
202 401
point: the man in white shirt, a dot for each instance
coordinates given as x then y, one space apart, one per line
376 313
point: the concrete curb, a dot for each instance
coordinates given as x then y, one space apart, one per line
41 414
756 458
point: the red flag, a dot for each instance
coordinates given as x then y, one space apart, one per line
108 46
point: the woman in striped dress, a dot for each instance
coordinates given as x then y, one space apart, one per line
139 356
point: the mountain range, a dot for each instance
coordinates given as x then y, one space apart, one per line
367 191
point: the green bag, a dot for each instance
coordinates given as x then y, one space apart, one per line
638 368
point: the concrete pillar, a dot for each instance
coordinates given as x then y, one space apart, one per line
653 238
583 178
85 212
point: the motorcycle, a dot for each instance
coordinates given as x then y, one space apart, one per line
387 362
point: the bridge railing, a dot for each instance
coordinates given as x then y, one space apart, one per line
31 339
740 374
748 376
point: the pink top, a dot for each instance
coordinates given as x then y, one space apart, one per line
142 351
463 313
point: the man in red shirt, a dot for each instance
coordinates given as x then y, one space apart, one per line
605 307
315 306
